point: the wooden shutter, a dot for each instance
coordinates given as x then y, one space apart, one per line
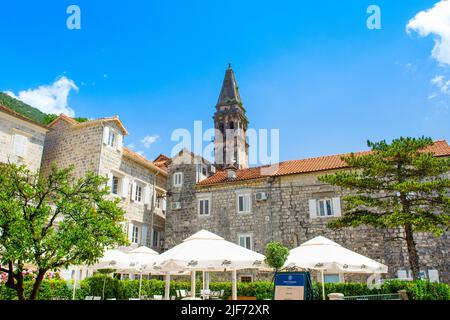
110 181
144 235
130 232
337 207
133 191
147 195
164 204
105 135
119 142
313 208
433 275
402 274
20 145
125 185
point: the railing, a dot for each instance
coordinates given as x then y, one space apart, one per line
388 296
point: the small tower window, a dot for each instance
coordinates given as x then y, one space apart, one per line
232 125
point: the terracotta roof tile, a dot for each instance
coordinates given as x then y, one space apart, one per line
440 149
131 154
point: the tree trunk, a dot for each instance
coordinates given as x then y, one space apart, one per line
19 286
37 284
412 252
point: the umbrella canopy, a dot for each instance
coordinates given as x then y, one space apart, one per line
323 254
206 251
115 259
143 256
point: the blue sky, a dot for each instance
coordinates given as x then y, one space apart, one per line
311 69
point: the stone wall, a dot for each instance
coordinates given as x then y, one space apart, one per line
84 148
285 217
35 145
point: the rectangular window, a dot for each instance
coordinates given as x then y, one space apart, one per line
331 278
20 145
155 238
115 185
246 278
112 139
135 234
325 208
203 207
245 241
178 179
244 203
138 193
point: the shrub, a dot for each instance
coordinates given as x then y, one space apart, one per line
125 289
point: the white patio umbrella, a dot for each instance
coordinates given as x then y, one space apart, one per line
322 254
206 251
143 256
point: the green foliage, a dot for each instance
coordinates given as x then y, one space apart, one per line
396 184
30 204
126 289
276 254
22 108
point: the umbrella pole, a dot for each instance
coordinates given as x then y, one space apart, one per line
234 285
140 286
167 288
323 284
74 284
193 284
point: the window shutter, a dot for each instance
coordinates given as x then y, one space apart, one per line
119 142
20 144
337 207
105 135
144 235
147 195
125 185
133 191
164 204
401 274
110 180
433 275
313 208
130 231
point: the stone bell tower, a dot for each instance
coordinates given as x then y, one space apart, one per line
230 122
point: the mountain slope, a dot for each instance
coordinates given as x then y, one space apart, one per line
22 108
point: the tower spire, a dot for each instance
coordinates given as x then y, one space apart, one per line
230 121
229 94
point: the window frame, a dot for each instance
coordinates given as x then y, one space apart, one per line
243 194
115 177
245 236
200 199
137 235
174 182
139 187
112 134
26 142
325 201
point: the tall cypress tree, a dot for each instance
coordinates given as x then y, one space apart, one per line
397 185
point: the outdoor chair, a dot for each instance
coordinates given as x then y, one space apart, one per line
205 294
183 293
97 298
157 297
88 298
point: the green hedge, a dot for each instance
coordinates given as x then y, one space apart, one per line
125 289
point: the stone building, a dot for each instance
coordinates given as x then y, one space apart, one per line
97 146
21 139
286 202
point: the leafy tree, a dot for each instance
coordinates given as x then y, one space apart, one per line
401 184
276 255
53 222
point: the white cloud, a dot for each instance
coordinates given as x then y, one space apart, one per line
443 84
435 21
49 98
147 141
